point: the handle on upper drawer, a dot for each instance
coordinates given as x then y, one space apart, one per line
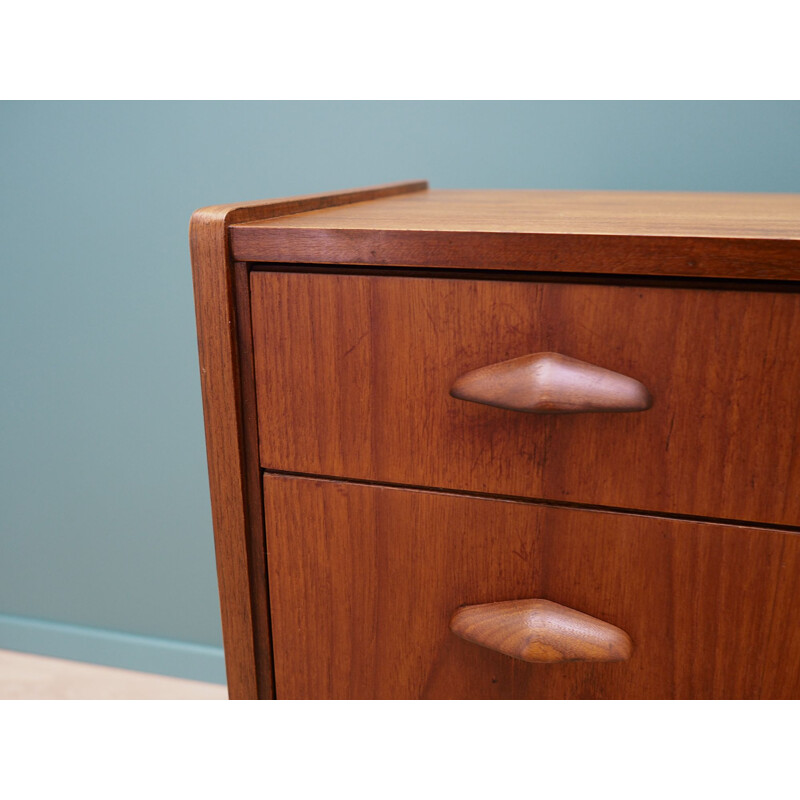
541 632
549 383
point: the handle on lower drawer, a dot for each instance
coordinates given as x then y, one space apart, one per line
550 383
541 632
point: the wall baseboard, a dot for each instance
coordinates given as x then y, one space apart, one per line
113 649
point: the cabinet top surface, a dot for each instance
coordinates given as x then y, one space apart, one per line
673 214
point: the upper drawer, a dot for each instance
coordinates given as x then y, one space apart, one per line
353 376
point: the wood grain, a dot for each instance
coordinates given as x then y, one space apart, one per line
745 236
551 383
541 632
220 340
364 581
358 370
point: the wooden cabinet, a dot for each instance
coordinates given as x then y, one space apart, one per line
380 500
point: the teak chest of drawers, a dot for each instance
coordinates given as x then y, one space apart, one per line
504 444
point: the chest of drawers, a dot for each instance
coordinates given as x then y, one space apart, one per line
513 444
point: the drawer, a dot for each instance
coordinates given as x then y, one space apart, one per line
353 378
364 582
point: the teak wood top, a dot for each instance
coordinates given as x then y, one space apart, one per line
761 216
668 233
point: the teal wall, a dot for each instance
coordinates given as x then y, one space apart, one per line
105 532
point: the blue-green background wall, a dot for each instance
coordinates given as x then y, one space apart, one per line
106 547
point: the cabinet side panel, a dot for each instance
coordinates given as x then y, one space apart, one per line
219 375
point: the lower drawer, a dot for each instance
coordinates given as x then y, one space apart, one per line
364 581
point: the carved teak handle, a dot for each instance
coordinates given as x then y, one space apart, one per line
541 632
549 383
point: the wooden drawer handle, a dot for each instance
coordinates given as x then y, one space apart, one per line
549 383
541 632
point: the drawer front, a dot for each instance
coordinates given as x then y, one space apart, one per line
364 581
354 372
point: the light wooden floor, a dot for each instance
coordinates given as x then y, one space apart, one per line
27 677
